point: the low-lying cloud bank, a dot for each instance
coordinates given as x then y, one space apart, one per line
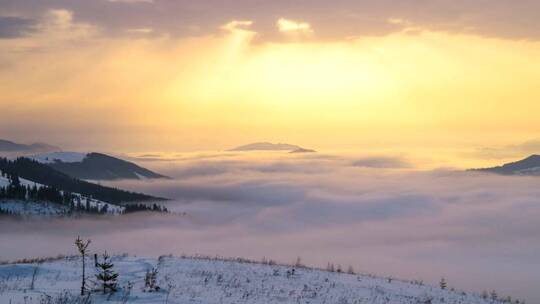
479 231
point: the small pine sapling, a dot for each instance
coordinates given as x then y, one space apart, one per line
150 280
443 284
107 276
82 247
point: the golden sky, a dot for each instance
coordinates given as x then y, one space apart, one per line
405 81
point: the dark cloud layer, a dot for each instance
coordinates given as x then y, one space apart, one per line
329 19
381 162
12 27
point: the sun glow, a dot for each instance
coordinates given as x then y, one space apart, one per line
430 85
287 25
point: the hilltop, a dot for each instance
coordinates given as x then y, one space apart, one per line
267 146
527 166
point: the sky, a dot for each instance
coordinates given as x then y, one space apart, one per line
156 75
394 85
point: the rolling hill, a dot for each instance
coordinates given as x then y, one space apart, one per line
43 174
9 146
94 166
527 166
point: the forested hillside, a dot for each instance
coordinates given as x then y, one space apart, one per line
43 174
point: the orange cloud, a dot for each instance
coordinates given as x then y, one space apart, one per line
292 26
236 25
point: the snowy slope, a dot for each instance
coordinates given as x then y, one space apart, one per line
94 166
29 208
45 208
33 208
3 181
185 280
65 157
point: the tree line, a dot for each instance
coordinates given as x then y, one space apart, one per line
15 190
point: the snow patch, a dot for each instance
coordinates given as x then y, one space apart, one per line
32 208
140 176
65 157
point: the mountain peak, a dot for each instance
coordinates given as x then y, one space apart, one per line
10 146
268 146
533 157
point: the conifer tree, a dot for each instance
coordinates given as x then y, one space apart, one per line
107 276
443 284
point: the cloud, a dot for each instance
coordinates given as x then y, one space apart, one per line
131 1
510 151
236 25
57 25
332 20
14 27
59 18
51 29
330 210
292 26
381 162
416 225
142 30
396 21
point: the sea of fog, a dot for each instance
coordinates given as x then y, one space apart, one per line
379 214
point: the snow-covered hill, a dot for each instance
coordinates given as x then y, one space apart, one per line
206 281
94 166
41 208
53 157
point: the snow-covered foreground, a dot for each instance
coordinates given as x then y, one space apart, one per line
187 280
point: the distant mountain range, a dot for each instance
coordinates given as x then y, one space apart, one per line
266 146
527 166
9 146
94 166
